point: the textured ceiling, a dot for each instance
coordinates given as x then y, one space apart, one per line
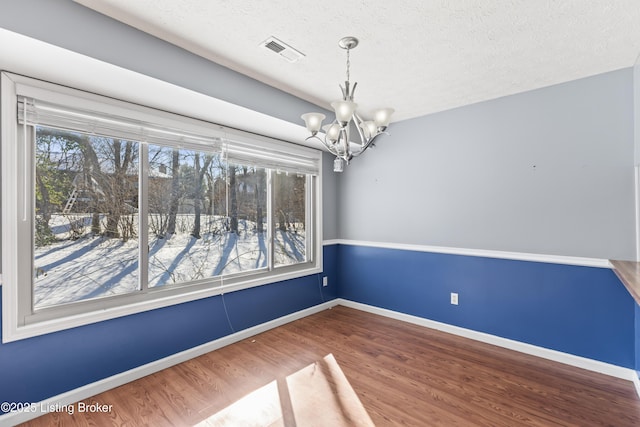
417 56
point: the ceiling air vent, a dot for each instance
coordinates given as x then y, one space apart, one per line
282 49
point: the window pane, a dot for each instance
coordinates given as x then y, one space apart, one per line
290 219
193 232
86 217
245 245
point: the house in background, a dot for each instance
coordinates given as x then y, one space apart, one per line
515 204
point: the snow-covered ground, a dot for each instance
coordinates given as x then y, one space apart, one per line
93 266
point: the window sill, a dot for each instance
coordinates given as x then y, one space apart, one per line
61 323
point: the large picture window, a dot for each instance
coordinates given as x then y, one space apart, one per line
110 208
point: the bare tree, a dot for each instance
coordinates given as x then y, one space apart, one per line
233 201
175 191
117 190
289 201
260 198
198 190
88 184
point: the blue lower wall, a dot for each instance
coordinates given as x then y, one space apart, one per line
37 368
637 338
584 311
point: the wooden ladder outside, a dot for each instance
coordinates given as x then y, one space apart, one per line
72 199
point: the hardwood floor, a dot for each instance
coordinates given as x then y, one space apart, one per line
356 368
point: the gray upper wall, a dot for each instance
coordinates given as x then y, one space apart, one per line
636 108
330 183
549 171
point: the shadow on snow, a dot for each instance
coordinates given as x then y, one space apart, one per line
295 243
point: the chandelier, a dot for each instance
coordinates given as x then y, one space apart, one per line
337 134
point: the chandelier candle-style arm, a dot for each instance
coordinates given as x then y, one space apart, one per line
366 132
337 134
347 94
371 129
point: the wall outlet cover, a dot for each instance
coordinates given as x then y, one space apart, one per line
454 298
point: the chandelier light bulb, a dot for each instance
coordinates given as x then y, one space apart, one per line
382 117
369 128
332 131
344 111
313 121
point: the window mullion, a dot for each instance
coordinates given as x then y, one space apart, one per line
26 221
143 217
309 195
270 220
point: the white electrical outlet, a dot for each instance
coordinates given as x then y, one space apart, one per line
454 298
325 281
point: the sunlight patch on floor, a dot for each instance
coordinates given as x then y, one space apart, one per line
318 394
321 395
259 408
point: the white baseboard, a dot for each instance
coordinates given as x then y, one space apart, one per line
545 353
636 382
97 387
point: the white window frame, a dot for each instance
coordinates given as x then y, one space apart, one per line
19 321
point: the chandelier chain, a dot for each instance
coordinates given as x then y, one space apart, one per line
348 63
